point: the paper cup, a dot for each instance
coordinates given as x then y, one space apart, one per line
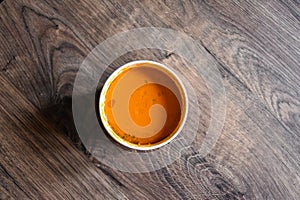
143 105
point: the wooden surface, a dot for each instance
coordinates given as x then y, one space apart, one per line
257 47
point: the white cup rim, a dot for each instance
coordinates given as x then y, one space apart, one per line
118 138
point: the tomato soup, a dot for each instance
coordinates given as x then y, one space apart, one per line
143 105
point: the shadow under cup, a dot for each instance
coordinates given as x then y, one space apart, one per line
143 105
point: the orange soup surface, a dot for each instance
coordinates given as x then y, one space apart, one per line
141 90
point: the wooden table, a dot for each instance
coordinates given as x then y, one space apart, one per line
257 48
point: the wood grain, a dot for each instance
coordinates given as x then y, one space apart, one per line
257 47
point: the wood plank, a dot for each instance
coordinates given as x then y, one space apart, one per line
256 45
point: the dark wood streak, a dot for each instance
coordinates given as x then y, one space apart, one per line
227 71
107 173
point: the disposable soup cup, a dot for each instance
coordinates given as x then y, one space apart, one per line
143 105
